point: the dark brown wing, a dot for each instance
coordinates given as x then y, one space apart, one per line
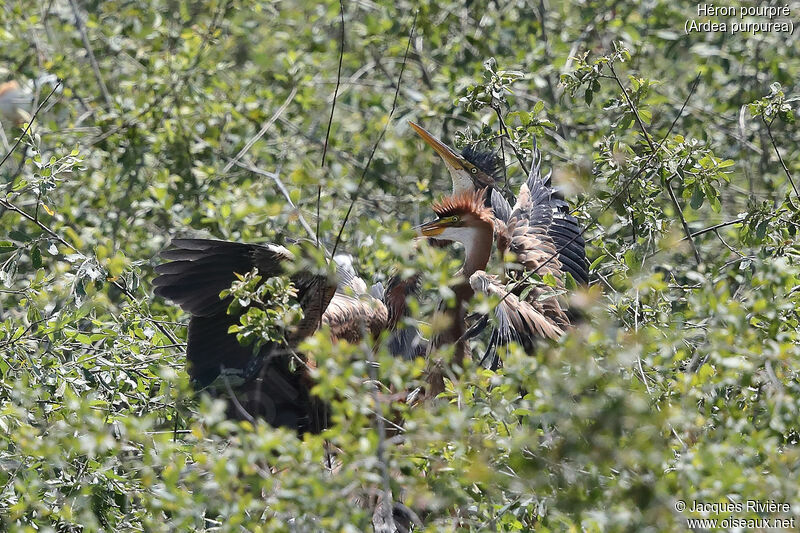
540 226
198 271
545 239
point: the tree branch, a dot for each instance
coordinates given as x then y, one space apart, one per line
90 53
775 146
683 220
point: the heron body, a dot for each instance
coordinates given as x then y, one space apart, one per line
273 382
538 231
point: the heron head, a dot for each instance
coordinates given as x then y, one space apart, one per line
470 170
459 217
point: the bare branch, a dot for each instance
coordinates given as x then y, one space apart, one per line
90 53
775 146
267 125
333 108
378 142
633 109
683 220
30 123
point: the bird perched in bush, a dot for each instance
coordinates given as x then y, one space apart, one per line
541 235
251 305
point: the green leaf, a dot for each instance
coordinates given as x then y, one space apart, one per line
697 197
597 262
36 257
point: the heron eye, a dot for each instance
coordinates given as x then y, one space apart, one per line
474 170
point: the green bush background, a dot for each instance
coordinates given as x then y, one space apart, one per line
681 384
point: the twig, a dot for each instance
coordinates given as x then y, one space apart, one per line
262 131
614 198
12 207
775 146
90 53
248 165
380 427
683 219
333 108
378 142
30 123
504 131
632 108
715 227
344 156
282 188
728 246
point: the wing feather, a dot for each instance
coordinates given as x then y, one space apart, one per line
545 239
520 321
350 318
266 385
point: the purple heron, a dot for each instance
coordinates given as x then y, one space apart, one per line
538 231
274 381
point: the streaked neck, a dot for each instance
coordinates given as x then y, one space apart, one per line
477 250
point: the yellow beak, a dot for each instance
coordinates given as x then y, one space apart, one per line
432 228
450 157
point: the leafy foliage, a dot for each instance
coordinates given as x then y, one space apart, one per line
678 153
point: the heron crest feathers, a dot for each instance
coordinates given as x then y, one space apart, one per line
464 203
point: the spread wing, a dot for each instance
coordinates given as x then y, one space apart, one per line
545 239
540 226
198 270
519 320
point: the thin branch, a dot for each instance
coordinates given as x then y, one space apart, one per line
267 125
90 53
504 131
239 407
715 227
333 108
775 146
683 220
614 198
248 165
12 207
728 246
30 123
386 500
633 109
282 188
378 142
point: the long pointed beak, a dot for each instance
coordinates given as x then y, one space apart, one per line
450 156
431 229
